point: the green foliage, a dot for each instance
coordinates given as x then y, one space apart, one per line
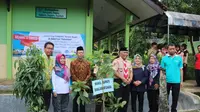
103 62
145 59
191 70
175 39
112 104
185 6
80 88
116 85
104 43
29 78
138 43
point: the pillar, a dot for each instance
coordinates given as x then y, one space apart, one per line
127 29
89 27
9 42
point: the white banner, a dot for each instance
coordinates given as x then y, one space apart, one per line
63 42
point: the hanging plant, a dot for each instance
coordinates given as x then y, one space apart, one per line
29 78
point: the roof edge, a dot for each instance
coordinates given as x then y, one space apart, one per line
154 5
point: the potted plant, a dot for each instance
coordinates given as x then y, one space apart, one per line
29 78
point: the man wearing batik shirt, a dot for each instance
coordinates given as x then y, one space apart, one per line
80 71
123 76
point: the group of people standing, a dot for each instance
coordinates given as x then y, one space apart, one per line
134 77
59 73
146 78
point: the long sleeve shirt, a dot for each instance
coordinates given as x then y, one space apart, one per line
139 74
80 70
60 86
49 63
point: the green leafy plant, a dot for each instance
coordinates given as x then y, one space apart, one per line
145 59
29 78
138 42
112 103
80 88
103 62
190 75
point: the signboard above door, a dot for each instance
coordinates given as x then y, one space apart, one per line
50 12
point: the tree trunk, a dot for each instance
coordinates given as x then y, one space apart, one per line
192 46
103 105
103 99
163 98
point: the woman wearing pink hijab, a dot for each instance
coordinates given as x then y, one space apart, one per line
61 84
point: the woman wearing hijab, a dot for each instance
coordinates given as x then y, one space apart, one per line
153 84
138 85
61 84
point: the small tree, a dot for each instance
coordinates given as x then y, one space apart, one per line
29 78
104 64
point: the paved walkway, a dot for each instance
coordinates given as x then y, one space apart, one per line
16 105
190 86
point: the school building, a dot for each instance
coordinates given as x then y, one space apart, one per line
96 19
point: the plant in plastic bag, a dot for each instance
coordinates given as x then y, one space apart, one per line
29 78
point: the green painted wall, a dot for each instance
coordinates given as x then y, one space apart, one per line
3 17
24 16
